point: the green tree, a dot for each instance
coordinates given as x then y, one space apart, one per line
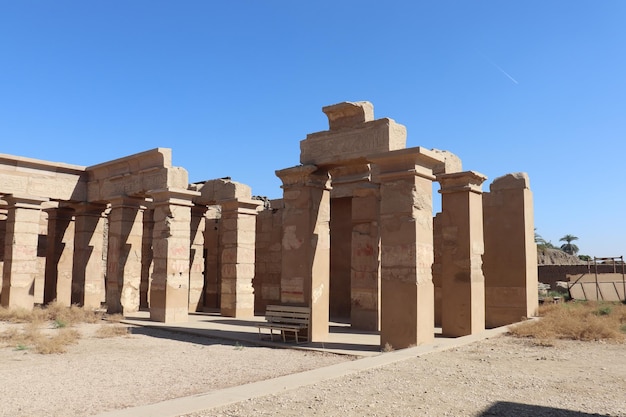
569 247
541 242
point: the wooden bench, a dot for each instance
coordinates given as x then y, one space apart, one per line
286 319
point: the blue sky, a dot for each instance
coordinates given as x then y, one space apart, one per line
233 86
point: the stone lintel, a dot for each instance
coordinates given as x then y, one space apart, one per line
417 161
341 147
242 206
89 209
466 181
518 180
349 174
173 196
24 201
451 163
217 190
348 114
347 179
304 175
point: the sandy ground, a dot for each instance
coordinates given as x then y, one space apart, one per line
503 376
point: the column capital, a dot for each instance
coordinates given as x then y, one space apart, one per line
457 182
24 201
404 163
304 176
173 196
241 205
119 201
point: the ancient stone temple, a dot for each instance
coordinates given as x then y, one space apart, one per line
354 237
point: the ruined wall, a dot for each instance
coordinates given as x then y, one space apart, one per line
550 274
266 282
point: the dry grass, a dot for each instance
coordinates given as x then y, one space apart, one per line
585 321
66 316
48 329
111 331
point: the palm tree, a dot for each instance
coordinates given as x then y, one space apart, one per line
569 247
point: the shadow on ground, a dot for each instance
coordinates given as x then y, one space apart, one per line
507 409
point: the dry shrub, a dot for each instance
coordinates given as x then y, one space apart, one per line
56 343
114 318
71 315
576 321
17 315
111 331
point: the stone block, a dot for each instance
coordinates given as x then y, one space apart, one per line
346 146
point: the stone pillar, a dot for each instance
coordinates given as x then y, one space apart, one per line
462 280
437 267
305 275
365 294
146 258
212 265
406 234
237 257
196 260
59 256
20 251
3 229
510 260
169 293
88 268
124 254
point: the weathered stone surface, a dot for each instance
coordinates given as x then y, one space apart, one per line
27 176
462 281
20 267
510 258
306 245
406 238
169 293
342 147
517 180
348 114
135 175
124 264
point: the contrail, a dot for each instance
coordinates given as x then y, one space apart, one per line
505 73
500 69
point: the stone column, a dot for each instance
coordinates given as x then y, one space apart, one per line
59 256
20 251
3 229
88 267
124 254
365 294
462 280
146 258
169 293
406 234
510 260
212 265
237 257
196 261
305 275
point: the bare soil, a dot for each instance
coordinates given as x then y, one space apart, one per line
503 376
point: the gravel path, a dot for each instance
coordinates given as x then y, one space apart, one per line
146 367
503 376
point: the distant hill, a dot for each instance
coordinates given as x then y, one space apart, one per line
557 257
